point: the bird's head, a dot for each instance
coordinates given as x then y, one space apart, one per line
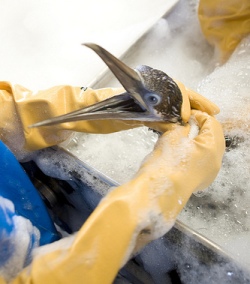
151 95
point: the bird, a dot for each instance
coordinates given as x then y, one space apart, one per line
150 95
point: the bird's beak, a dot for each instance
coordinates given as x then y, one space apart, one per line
127 106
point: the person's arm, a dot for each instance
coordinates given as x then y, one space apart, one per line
139 211
21 108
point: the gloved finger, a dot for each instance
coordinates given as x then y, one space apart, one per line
210 129
199 102
185 108
193 100
210 137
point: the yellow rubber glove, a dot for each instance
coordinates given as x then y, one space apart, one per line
137 212
20 108
224 23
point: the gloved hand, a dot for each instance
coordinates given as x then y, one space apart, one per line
21 108
139 211
224 23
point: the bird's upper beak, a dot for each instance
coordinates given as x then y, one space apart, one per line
127 106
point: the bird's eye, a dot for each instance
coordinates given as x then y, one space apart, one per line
153 99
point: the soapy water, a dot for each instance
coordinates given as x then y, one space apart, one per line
222 213
189 263
118 155
176 46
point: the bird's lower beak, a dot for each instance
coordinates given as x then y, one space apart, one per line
121 107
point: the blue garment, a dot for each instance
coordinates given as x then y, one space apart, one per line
16 187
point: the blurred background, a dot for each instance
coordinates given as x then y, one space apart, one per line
41 40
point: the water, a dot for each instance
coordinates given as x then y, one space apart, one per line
225 204
178 48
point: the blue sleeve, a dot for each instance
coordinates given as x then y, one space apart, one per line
16 187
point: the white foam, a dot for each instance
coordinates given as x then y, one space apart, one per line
63 244
194 128
118 155
19 241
